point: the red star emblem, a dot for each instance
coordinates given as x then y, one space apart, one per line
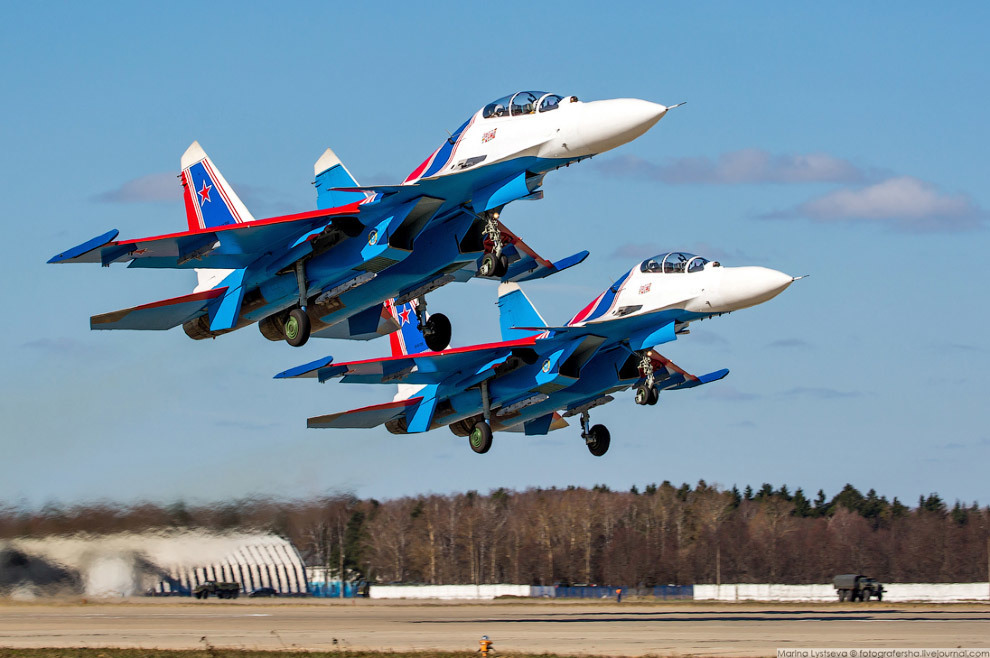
204 194
404 315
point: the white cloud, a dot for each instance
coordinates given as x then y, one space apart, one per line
747 166
153 187
903 203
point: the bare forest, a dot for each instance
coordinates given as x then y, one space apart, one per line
661 535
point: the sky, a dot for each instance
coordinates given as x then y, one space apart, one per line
847 141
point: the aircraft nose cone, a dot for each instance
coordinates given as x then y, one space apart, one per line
607 124
743 287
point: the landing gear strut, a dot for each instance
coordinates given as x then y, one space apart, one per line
436 330
597 438
494 263
480 438
647 393
296 327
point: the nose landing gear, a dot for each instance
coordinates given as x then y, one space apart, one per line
494 263
647 393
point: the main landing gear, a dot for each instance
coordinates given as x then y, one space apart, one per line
480 435
647 393
293 325
494 263
597 438
436 330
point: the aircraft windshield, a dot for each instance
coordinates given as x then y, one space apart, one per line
673 262
523 102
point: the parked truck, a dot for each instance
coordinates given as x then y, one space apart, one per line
855 587
221 590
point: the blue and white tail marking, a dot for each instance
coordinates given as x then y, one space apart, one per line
331 173
408 339
515 310
209 198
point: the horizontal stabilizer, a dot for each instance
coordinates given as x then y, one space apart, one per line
230 246
365 417
161 315
86 247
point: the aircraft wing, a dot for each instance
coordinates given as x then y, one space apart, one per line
231 246
422 368
372 416
525 264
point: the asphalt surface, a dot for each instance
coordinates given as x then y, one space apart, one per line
607 628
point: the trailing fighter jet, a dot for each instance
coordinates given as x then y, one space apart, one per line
538 375
328 271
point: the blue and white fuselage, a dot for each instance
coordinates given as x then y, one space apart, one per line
329 271
540 374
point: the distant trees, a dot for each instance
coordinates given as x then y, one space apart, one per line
662 534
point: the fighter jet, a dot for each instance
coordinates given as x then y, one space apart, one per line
328 272
539 375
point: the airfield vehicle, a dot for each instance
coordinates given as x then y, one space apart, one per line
857 587
222 590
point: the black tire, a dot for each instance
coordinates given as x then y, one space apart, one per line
642 395
480 438
488 265
297 328
502 265
842 596
437 332
600 440
864 597
654 396
879 596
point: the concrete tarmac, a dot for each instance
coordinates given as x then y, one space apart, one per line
605 628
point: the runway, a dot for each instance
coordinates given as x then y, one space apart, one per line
631 629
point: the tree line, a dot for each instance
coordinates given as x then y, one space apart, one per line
661 535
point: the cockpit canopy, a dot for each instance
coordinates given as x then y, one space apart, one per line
675 262
522 102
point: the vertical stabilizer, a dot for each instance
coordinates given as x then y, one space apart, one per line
408 339
209 198
330 172
515 310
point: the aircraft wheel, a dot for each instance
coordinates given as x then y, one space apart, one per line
502 265
480 438
488 265
297 328
654 396
600 440
437 332
642 395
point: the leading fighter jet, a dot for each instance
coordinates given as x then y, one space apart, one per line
328 271
539 375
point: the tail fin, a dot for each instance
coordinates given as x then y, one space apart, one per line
330 172
210 200
515 310
408 339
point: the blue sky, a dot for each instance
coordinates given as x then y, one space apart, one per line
842 140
